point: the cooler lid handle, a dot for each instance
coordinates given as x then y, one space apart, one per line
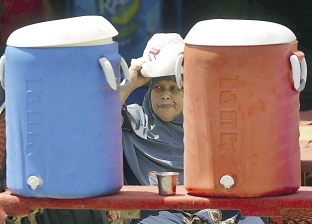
178 70
299 70
110 75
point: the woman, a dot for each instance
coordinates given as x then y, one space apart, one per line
153 141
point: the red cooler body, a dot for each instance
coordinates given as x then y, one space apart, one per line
242 80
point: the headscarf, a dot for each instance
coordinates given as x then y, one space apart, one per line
155 145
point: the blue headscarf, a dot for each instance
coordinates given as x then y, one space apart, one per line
155 145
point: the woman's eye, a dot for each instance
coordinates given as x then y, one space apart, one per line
175 89
158 88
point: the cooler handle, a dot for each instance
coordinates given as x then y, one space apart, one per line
2 79
178 70
2 71
110 75
299 70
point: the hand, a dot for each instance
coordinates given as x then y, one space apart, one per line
136 78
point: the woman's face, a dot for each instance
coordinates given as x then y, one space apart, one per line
167 100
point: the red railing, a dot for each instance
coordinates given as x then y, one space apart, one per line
147 198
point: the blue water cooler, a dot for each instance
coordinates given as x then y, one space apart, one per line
62 82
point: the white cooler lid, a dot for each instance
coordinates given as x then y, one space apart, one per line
232 32
75 31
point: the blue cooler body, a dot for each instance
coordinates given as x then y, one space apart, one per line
63 122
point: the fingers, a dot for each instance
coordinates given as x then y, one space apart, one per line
136 78
137 62
136 65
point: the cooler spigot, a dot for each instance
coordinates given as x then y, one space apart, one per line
227 181
34 182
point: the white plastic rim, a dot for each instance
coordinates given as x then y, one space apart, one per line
235 32
2 71
88 30
299 72
178 70
110 75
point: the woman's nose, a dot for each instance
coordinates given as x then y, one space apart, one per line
165 94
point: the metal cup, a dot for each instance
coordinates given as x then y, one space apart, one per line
167 182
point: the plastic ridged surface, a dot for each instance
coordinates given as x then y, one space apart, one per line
241 118
64 122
